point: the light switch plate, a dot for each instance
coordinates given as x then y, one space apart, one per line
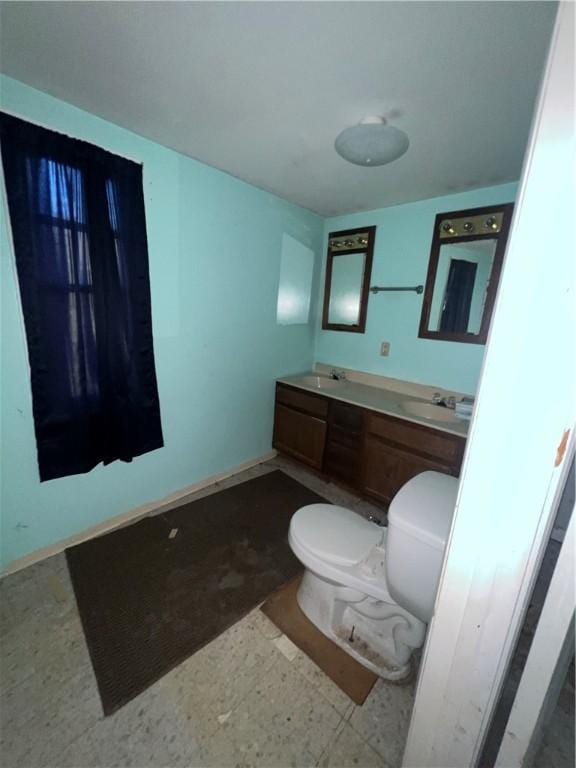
385 348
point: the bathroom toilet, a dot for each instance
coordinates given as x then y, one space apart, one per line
370 589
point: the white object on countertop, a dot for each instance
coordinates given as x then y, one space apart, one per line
464 408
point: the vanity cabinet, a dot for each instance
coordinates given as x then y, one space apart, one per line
373 453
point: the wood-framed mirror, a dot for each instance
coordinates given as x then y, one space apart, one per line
348 272
463 273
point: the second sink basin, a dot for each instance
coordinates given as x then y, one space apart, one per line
321 382
428 411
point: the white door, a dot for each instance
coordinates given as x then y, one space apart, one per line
516 452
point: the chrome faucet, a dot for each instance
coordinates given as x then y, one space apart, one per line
338 375
447 402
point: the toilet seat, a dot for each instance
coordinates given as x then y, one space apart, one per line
334 534
342 555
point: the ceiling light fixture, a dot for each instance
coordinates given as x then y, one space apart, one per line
372 142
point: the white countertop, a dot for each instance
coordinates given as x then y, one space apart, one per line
377 399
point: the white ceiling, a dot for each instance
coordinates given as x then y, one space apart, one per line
261 90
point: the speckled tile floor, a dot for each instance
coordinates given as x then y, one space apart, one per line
249 698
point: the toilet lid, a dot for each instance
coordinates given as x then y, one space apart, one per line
334 533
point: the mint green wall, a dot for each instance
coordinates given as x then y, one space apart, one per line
403 239
214 246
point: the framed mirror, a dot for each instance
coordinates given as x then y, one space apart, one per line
348 271
463 272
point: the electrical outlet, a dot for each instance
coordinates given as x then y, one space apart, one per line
385 348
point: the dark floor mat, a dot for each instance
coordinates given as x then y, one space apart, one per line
148 600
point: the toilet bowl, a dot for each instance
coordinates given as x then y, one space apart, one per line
369 589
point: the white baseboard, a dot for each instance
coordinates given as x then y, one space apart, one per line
124 518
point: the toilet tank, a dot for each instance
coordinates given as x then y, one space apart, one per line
419 520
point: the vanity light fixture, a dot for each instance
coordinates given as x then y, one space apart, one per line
372 142
356 244
470 225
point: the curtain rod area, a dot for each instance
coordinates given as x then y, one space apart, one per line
40 124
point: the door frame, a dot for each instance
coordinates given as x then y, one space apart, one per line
550 654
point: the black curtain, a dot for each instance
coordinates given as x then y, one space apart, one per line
458 296
79 231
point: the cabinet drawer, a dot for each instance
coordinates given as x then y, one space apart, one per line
343 463
441 447
302 401
347 417
300 435
351 440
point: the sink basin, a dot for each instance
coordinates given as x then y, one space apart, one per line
428 411
321 382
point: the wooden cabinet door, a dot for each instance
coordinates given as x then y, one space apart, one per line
387 469
300 435
441 447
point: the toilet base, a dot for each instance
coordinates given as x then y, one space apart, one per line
380 636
